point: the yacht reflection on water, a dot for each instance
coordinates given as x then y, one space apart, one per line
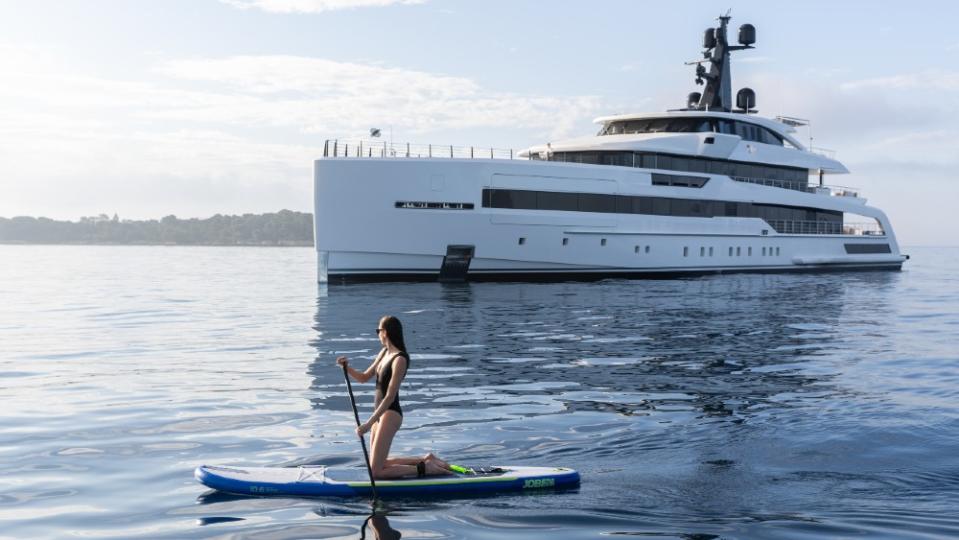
719 345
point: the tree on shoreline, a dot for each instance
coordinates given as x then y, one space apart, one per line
283 228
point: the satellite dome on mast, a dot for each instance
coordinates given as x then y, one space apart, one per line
717 96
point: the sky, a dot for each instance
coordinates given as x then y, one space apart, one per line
198 107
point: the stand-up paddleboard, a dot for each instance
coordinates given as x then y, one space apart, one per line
321 481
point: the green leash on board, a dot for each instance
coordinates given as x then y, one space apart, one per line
475 470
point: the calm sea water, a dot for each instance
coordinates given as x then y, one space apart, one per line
737 406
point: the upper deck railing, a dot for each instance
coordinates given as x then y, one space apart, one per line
360 148
825 227
383 149
835 191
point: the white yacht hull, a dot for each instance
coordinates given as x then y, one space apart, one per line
373 221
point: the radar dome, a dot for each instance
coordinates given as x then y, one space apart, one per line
746 99
709 38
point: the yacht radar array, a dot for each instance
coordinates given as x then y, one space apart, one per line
717 96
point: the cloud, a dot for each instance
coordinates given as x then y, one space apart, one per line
843 115
320 95
915 151
313 6
229 126
936 79
754 60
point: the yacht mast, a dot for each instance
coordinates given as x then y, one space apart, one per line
718 94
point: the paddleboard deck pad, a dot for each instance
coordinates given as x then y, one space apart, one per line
321 481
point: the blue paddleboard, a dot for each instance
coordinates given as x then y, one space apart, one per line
321 481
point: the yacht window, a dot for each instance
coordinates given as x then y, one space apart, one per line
660 125
516 199
771 175
549 200
783 219
746 131
656 125
615 158
690 125
679 207
595 202
660 207
678 180
769 137
697 165
645 206
750 132
665 162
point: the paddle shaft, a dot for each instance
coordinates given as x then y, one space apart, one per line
356 414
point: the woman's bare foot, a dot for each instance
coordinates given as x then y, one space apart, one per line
433 469
431 458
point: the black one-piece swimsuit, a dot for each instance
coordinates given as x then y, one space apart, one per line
383 383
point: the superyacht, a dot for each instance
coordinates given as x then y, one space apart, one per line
708 188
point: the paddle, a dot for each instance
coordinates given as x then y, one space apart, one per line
356 414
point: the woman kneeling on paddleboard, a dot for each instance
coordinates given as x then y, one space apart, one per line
390 367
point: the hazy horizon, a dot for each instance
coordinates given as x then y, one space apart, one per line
197 108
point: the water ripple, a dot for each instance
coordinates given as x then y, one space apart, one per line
754 406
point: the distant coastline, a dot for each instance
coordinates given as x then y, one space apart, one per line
283 228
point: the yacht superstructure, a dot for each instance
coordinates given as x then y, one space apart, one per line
704 189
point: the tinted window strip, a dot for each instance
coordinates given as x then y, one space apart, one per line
657 206
678 180
859 249
788 177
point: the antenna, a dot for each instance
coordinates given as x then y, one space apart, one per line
718 79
